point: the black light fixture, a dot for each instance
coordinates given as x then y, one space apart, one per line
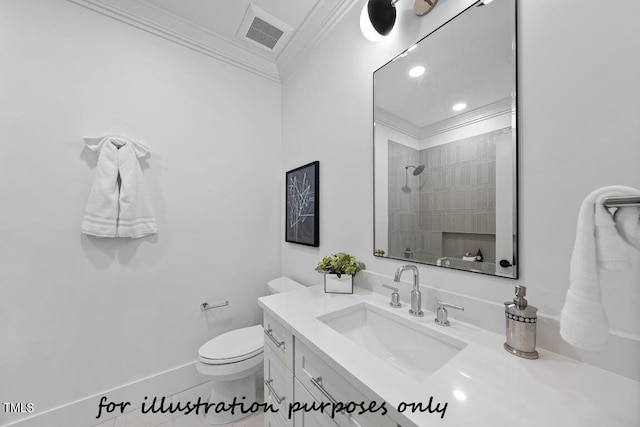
379 16
382 15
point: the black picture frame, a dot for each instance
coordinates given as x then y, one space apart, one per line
302 219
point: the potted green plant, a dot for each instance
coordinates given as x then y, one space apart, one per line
338 270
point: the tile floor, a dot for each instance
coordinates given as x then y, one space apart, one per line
137 419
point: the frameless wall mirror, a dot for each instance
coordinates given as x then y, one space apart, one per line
445 161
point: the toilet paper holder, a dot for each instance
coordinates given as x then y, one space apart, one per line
205 305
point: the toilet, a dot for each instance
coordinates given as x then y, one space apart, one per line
233 362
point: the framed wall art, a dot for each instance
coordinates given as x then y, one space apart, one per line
302 205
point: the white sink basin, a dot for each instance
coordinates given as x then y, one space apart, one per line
413 349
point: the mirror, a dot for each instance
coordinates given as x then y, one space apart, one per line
445 160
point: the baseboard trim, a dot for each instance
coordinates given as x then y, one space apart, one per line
83 412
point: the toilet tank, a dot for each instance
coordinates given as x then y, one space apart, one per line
283 284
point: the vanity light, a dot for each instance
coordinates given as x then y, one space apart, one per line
377 19
459 106
379 16
416 71
368 31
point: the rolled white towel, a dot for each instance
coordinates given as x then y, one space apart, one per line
598 244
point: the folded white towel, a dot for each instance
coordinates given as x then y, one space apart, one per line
118 205
583 322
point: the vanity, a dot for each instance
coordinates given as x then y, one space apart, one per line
387 368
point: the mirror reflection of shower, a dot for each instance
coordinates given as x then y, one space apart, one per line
417 170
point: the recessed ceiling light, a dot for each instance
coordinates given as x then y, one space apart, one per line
459 106
416 71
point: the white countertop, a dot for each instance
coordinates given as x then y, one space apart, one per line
482 385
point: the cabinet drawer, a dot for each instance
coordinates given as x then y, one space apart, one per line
279 339
326 385
308 418
273 420
278 385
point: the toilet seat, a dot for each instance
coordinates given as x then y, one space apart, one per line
233 346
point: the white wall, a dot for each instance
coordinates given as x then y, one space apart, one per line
578 126
80 315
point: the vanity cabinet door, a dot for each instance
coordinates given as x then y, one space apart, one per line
326 385
273 420
280 340
278 386
309 418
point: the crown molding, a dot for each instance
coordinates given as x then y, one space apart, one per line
396 123
324 16
153 20
486 112
159 22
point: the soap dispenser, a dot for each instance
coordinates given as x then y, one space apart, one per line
521 320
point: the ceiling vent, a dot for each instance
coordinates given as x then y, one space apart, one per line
264 30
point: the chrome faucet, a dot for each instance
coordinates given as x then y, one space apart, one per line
442 318
416 295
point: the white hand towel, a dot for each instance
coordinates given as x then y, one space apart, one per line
583 322
118 207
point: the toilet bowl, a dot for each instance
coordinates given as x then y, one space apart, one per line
233 362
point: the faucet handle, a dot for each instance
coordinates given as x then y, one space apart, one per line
395 297
442 314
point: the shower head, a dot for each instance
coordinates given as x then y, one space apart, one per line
417 170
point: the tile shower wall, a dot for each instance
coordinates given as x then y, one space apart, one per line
404 201
458 196
449 209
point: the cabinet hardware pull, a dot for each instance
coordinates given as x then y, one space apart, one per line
318 383
279 344
273 392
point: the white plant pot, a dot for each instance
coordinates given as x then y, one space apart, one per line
338 285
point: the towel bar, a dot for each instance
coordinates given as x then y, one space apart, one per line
205 305
619 202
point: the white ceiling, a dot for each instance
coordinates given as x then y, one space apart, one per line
223 18
211 26
470 59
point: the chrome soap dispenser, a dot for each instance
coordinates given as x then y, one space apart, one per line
521 320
